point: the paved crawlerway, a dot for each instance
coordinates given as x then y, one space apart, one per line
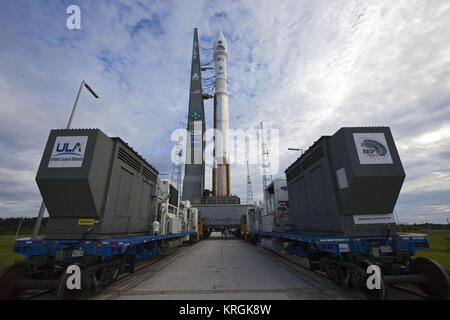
219 269
226 270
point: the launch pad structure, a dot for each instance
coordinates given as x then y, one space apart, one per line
194 173
218 208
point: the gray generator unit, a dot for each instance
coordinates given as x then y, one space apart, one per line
95 187
346 184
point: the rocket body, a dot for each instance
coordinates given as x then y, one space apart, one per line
221 169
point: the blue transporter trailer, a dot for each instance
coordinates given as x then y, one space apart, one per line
100 262
104 214
342 194
345 260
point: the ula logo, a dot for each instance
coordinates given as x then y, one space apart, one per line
65 149
373 148
68 152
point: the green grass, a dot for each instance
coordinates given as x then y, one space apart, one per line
439 250
7 257
7 242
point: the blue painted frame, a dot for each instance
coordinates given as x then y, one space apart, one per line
140 246
303 245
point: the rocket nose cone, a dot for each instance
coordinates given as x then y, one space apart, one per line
220 35
221 43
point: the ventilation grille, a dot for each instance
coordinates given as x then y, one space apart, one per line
294 172
148 174
312 158
128 159
303 165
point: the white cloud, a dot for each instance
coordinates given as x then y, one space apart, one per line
304 67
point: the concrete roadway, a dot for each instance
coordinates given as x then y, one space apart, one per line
224 270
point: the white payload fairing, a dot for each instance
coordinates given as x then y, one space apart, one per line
221 168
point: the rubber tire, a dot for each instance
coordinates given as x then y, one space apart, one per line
19 270
438 286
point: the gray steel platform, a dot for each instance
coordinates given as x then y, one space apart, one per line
218 216
219 269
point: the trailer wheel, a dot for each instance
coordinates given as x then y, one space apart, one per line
20 270
373 294
437 286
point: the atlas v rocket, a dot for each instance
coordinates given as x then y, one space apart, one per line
221 167
194 177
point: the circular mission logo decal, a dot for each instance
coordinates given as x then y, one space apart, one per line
195 115
372 148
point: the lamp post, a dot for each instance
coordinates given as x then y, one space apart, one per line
397 220
37 225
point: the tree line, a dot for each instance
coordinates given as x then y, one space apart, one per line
10 225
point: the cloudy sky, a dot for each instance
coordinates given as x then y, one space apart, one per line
306 68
